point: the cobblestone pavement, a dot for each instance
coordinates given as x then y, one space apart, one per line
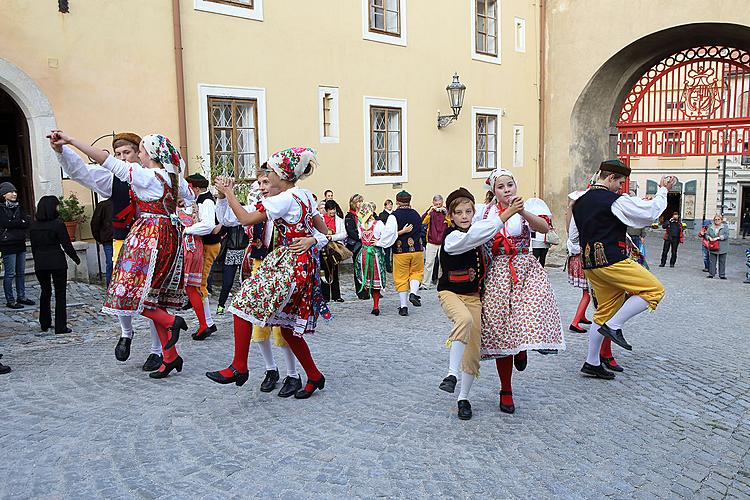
77 423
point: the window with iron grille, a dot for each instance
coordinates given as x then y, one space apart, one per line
486 142
673 143
235 3
234 136
385 16
385 141
486 27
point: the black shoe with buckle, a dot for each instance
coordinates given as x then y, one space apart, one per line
153 362
310 387
415 299
615 336
464 410
597 371
403 311
521 360
449 384
236 378
122 349
269 383
205 333
611 365
290 386
179 324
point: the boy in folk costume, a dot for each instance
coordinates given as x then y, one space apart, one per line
261 243
463 260
101 181
519 309
204 229
148 276
408 257
370 266
576 276
599 225
285 290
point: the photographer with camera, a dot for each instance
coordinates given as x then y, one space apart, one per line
673 236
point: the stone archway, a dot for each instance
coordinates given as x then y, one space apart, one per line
40 119
596 111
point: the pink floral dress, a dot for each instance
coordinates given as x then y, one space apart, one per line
285 290
519 309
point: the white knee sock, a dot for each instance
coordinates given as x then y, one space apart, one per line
291 362
207 312
403 297
265 350
414 286
595 344
155 342
633 306
457 352
126 325
466 381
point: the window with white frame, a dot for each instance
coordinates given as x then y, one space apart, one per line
485 27
247 9
520 34
385 140
485 138
518 145
233 130
384 21
328 101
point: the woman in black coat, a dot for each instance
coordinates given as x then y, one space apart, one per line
49 238
13 225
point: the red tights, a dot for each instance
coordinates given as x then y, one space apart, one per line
243 333
163 321
505 371
376 299
194 296
581 311
302 353
606 351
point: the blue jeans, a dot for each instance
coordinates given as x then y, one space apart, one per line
15 267
108 261
228 274
705 258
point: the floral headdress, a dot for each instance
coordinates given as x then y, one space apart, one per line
161 149
489 184
292 164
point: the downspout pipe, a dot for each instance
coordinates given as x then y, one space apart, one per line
180 75
542 76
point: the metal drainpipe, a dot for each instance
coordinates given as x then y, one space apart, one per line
542 42
180 79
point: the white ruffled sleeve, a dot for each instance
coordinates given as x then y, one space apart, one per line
278 206
480 232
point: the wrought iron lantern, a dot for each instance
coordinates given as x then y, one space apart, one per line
456 92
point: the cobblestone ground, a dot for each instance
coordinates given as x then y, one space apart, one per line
77 423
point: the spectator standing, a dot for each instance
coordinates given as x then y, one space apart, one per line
704 245
328 196
336 235
746 223
673 236
13 226
49 238
387 210
434 218
539 247
717 236
101 229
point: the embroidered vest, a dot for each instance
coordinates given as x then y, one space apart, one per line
601 234
409 242
462 273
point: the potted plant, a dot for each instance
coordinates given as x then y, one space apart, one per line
72 214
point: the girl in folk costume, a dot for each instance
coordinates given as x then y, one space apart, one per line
261 243
519 307
369 269
576 277
192 269
285 290
147 278
463 260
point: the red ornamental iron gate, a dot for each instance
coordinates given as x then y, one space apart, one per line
693 103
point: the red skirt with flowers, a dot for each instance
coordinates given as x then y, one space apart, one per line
576 277
193 267
148 272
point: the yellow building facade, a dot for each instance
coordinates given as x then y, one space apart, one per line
360 80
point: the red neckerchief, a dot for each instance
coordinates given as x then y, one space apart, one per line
501 238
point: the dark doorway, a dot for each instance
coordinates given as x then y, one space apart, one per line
15 151
674 204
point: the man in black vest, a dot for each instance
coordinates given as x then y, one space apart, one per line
600 220
100 180
408 257
207 229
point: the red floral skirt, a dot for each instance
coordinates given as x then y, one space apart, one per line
576 277
193 267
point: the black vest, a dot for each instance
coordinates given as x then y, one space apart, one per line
257 248
462 273
209 239
123 209
601 234
409 242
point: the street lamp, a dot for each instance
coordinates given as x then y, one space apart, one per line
456 97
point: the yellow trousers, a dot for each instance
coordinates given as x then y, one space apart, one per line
407 267
263 333
116 246
209 256
465 312
611 283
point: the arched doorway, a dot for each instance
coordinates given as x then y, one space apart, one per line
15 154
